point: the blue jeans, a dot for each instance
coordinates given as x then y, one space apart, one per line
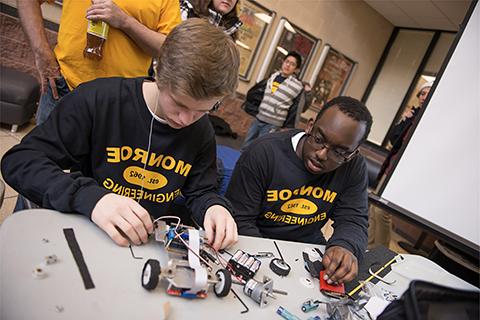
47 103
256 130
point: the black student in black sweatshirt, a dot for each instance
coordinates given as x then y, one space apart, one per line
287 185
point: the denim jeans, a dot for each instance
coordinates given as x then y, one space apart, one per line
47 103
257 129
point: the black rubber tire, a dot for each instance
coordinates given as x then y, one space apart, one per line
279 267
224 284
150 273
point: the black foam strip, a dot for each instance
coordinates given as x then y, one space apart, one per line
78 256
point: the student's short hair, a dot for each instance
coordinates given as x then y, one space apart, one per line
199 60
352 108
297 57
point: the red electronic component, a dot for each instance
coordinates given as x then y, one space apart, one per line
330 289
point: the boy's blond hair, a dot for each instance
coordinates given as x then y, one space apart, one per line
199 60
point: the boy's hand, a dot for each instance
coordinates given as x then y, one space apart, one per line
340 265
220 228
120 216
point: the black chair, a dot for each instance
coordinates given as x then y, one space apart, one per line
19 94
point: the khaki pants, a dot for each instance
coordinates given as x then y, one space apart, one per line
379 227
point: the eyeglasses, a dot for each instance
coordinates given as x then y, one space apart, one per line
318 142
216 106
290 63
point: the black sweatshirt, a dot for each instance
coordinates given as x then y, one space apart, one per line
102 130
274 196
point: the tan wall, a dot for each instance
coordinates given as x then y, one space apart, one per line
351 27
51 12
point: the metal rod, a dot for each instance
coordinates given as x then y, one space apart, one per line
275 243
285 293
131 251
239 299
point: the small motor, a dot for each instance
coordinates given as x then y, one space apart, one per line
259 291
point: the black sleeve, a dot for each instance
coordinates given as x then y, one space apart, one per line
201 185
350 214
34 168
400 129
254 97
247 188
397 131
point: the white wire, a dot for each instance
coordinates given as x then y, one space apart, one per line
148 155
170 217
145 164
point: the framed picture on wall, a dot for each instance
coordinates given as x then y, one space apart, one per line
331 76
288 37
251 35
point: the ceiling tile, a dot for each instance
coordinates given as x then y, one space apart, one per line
455 10
425 14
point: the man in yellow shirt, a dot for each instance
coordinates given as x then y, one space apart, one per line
137 31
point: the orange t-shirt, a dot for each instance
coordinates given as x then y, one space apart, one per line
121 56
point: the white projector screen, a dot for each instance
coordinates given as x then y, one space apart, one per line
437 178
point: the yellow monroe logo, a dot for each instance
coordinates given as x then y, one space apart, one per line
151 180
299 206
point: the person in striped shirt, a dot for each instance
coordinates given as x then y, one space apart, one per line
281 90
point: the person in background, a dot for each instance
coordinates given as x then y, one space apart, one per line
281 89
300 105
138 143
408 117
287 185
221 13
380 222
137 31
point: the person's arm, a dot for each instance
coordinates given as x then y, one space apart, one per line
32 22
209 208
35 168
400 129
148 40
246 190
349 240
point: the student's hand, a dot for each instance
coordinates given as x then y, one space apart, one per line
48 70
340 265
117 214
220 228
407 114
107 11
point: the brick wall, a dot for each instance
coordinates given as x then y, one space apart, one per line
15 52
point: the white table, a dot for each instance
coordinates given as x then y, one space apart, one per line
29 236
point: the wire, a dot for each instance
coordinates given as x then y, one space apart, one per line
225 251
220 258
170 217
275 243
191 250
148 153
